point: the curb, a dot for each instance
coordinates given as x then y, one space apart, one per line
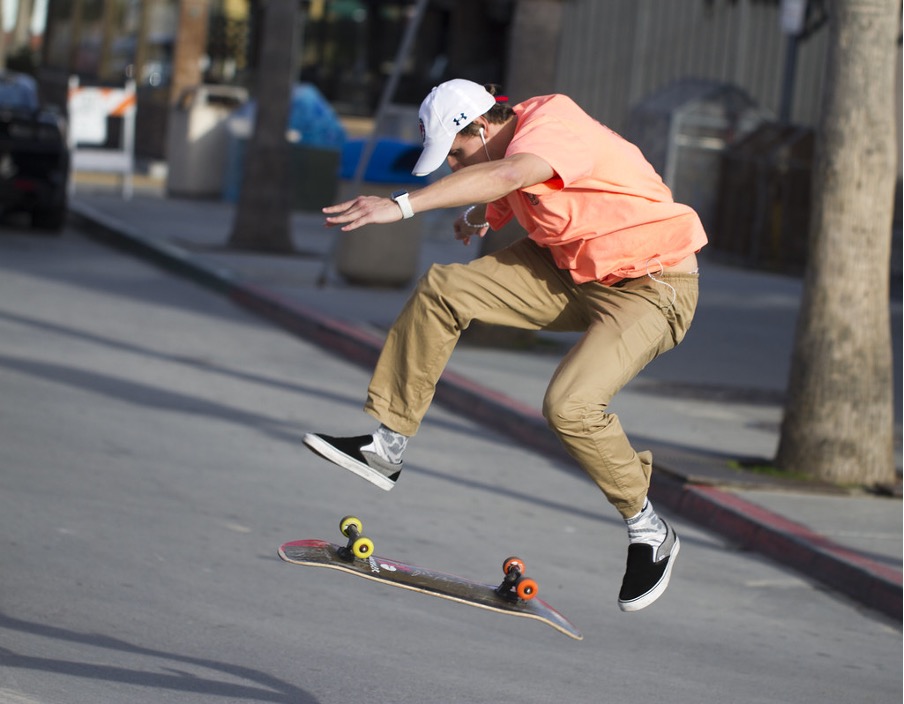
814 556
866 581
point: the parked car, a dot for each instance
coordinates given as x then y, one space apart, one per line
34 154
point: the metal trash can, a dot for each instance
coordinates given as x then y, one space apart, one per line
197 139
683 129
763 218
380 255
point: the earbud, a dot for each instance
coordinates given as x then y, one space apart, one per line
483 139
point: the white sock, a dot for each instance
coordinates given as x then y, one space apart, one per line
388 444
646 527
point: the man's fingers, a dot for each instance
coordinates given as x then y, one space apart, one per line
338 207
346 213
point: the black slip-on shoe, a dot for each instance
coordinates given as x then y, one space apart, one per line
648 571
353 454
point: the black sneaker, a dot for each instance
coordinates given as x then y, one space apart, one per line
648 571
351 453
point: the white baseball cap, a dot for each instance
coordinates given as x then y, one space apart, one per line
449 108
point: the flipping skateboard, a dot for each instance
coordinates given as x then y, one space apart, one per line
515 595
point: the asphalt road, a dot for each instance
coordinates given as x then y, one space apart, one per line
150 466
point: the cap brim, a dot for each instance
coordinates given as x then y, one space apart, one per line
433 156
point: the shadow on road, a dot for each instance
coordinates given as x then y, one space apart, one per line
170 675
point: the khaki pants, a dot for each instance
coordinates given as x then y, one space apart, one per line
625 327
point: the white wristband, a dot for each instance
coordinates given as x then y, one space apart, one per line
476 226
401 199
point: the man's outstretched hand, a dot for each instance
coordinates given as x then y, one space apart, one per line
360 211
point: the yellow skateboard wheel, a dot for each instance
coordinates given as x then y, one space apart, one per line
362 548
347 523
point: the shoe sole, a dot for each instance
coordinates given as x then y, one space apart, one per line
328 452
645 600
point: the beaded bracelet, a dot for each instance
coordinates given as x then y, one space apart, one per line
476 226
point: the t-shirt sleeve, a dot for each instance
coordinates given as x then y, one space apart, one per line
559 146
499 212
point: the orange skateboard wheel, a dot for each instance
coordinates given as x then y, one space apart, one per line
526 589
513 563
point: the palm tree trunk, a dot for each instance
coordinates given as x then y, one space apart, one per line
263 212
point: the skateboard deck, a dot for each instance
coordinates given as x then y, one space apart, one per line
320 553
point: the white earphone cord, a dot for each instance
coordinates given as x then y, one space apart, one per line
660 281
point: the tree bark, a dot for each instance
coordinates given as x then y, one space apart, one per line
839 419
263 212
22 27
191 45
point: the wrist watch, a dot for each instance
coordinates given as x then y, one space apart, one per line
401 199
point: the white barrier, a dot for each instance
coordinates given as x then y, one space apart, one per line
89 108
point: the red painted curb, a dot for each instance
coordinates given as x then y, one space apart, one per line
869 582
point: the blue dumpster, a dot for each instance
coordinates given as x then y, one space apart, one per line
315 138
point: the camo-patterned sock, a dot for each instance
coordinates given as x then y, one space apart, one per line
646 527
389 444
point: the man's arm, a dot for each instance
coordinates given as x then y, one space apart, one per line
480 183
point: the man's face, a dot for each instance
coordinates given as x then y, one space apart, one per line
466 150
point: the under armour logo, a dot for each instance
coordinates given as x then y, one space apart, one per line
458 120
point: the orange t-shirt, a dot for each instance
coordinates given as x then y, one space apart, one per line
606 215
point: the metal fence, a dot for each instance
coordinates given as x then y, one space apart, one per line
615 53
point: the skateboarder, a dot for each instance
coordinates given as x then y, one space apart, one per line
608 253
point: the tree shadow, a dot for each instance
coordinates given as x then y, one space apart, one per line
257 685
199 364
148 396
202 365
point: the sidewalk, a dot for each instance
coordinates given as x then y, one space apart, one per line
715 400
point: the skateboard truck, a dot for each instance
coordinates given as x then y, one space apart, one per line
515 581
359 546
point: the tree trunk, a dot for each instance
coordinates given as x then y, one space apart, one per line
191 45
22 27
263 212
3 47
839 418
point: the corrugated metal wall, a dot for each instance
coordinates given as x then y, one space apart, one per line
617 54
614 53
